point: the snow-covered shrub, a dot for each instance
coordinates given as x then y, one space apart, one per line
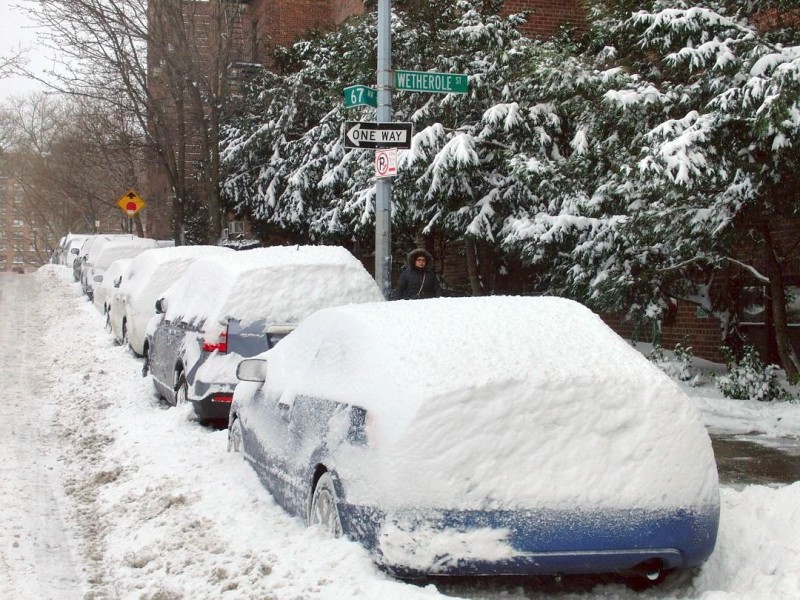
679 366
750 379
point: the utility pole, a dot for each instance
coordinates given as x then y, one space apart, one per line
383 192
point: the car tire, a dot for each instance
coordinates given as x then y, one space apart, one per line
324 510
124 341
181 391
235 436
145 361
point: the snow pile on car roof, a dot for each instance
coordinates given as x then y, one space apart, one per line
118 248
280 284
514 401
178 257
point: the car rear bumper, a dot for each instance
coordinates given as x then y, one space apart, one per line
215 403
542 542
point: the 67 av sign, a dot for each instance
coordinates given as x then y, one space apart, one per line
372 136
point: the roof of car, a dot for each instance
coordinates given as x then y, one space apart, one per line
279 283
426 343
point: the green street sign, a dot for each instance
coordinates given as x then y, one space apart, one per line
422 81
360 95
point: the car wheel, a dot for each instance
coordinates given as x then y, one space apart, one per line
124 341
108 320
181 391
324 511
235 436
146 361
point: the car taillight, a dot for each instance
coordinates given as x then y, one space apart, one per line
362 427
223 398
219 345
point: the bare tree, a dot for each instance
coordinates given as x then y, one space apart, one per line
165 64
73 158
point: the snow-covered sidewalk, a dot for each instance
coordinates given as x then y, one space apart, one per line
145 503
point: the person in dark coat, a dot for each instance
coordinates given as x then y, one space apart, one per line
418 279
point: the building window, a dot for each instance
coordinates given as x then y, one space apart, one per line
793 305
18 260
17 223
753 305
236 228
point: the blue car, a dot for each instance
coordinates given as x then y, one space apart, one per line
235 305
480 436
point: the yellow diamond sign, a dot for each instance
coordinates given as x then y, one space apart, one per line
130 203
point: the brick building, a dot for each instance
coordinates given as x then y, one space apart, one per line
21 248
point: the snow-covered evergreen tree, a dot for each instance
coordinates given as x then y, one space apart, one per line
640 165
704 158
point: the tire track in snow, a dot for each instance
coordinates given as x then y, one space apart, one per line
36 557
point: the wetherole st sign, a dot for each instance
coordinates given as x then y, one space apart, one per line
371 135
422 81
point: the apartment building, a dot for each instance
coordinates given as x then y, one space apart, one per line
21 249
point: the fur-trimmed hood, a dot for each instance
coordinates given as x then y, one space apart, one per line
412 256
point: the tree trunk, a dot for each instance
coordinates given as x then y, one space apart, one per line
777 292
137 220
472 267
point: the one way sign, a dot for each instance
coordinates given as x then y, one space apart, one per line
371 135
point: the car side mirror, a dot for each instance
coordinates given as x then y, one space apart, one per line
252 369
98 278
74 250
161 306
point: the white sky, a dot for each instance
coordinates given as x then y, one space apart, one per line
17 31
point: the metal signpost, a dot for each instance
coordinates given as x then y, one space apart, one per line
385 135
383 192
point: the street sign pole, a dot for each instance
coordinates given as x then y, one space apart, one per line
383 192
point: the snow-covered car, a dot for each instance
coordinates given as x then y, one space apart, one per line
78 254
145 278
104 290
106 250
223 310
64 254
473 436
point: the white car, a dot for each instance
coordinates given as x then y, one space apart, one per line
105 289
63 254
106 250
147 276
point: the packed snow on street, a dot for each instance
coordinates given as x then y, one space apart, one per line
107 493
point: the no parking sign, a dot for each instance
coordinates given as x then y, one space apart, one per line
386 162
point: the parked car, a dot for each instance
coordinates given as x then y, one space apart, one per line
63 254
106 250
223 310
105 289
478 436
18 269
79 253
145 278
